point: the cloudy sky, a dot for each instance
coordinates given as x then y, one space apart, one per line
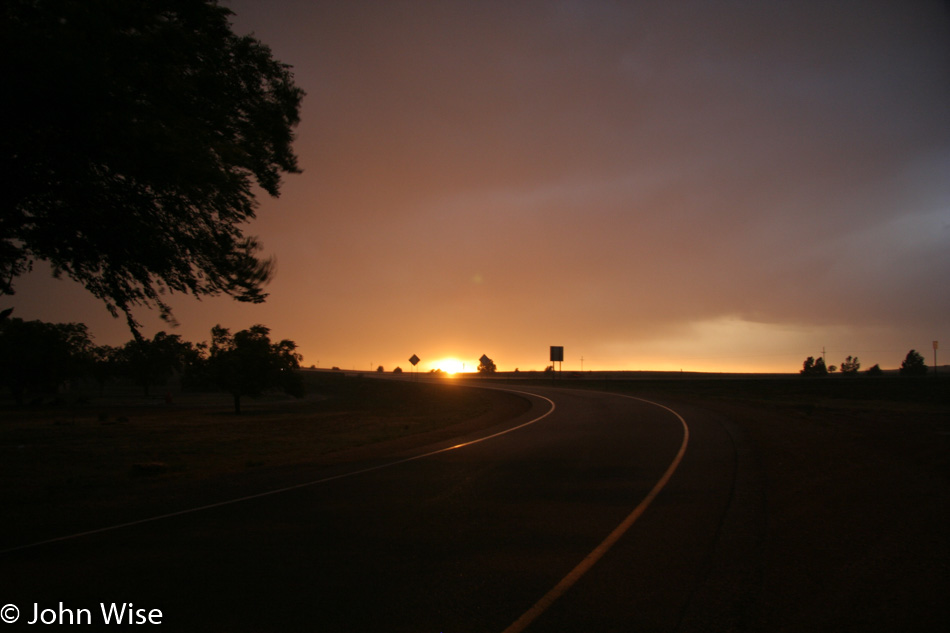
714 186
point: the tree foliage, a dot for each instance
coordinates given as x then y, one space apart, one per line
850 365
486 366
38 357
813 367
133 136
106 363
152 362
913 364
247 363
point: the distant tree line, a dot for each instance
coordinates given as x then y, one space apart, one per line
38 359
912 365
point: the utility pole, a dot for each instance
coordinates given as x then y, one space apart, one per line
582 364
935 358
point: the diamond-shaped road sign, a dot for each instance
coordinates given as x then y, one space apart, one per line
414 360
484 359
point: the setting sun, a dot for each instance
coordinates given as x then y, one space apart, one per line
450 365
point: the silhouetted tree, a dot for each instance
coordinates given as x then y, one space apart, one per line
248 363
808 367
153 362
133 136
875 371
486 366
106 363
913 364
813 367
850 365
39 357
195 372
398 370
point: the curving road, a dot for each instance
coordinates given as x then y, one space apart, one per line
489 535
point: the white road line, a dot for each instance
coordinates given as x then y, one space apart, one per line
598 552
278 491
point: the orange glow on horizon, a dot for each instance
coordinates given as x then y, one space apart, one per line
450 365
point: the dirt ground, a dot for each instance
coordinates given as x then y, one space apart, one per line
70 468
857 504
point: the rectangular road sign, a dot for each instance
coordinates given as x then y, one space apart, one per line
557 354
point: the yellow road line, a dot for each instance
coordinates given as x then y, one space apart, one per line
598 552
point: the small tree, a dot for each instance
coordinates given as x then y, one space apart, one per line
875 371
487 366
850 365
248 363
812 367
808 367
913 364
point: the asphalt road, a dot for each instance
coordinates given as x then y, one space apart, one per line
463 540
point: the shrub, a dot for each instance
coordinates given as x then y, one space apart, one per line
913 364
851 365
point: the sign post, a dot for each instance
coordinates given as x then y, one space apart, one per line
557 356
415 361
